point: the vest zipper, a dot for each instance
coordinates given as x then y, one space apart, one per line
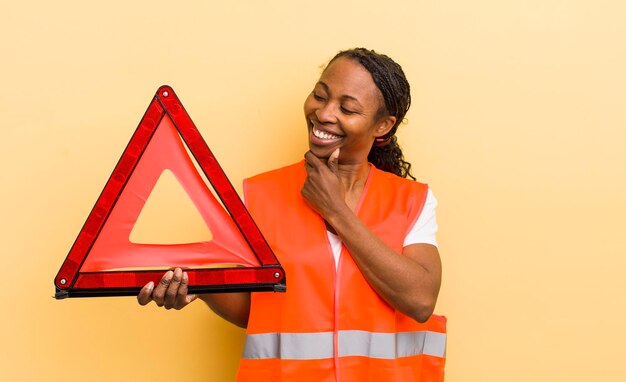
336 278
336 313
335 301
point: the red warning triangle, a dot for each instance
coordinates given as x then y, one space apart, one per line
169 216
104 262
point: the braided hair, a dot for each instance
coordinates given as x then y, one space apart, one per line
394 87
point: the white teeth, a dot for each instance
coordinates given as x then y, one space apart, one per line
323 134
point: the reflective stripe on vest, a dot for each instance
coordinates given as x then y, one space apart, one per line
310 346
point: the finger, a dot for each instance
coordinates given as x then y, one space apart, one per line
333 161
181 297
190 298
172 290
145 295
158 295
312 160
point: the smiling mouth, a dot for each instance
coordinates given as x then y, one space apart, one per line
324 135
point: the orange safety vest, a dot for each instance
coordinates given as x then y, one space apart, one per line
331 325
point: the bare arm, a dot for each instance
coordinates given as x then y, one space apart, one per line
233 307
171 292
409 281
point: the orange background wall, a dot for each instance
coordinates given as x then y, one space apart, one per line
518 124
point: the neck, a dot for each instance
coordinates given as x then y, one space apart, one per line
353 175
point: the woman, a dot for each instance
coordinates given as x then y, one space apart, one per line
367 314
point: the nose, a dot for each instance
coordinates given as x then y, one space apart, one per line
326 113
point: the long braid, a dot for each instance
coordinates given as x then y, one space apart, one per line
389 78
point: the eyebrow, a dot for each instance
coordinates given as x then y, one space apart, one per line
325 86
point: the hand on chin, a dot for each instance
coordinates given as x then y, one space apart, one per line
322 152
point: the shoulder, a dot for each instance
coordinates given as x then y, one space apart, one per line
288 172
392 180
401 194
276 183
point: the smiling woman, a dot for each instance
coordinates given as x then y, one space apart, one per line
344 111
395 101
356 238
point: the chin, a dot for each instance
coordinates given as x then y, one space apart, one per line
319 152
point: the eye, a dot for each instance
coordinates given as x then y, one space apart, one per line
318 97
347 111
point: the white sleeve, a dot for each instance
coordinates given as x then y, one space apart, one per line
425 228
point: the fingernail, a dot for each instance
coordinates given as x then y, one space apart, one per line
185 276
150 285
169 274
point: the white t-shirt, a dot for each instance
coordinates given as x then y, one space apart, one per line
423 231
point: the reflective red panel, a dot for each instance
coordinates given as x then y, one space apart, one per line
102 259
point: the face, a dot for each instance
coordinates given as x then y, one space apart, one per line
342 112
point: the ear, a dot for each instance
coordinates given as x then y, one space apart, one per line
384 125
